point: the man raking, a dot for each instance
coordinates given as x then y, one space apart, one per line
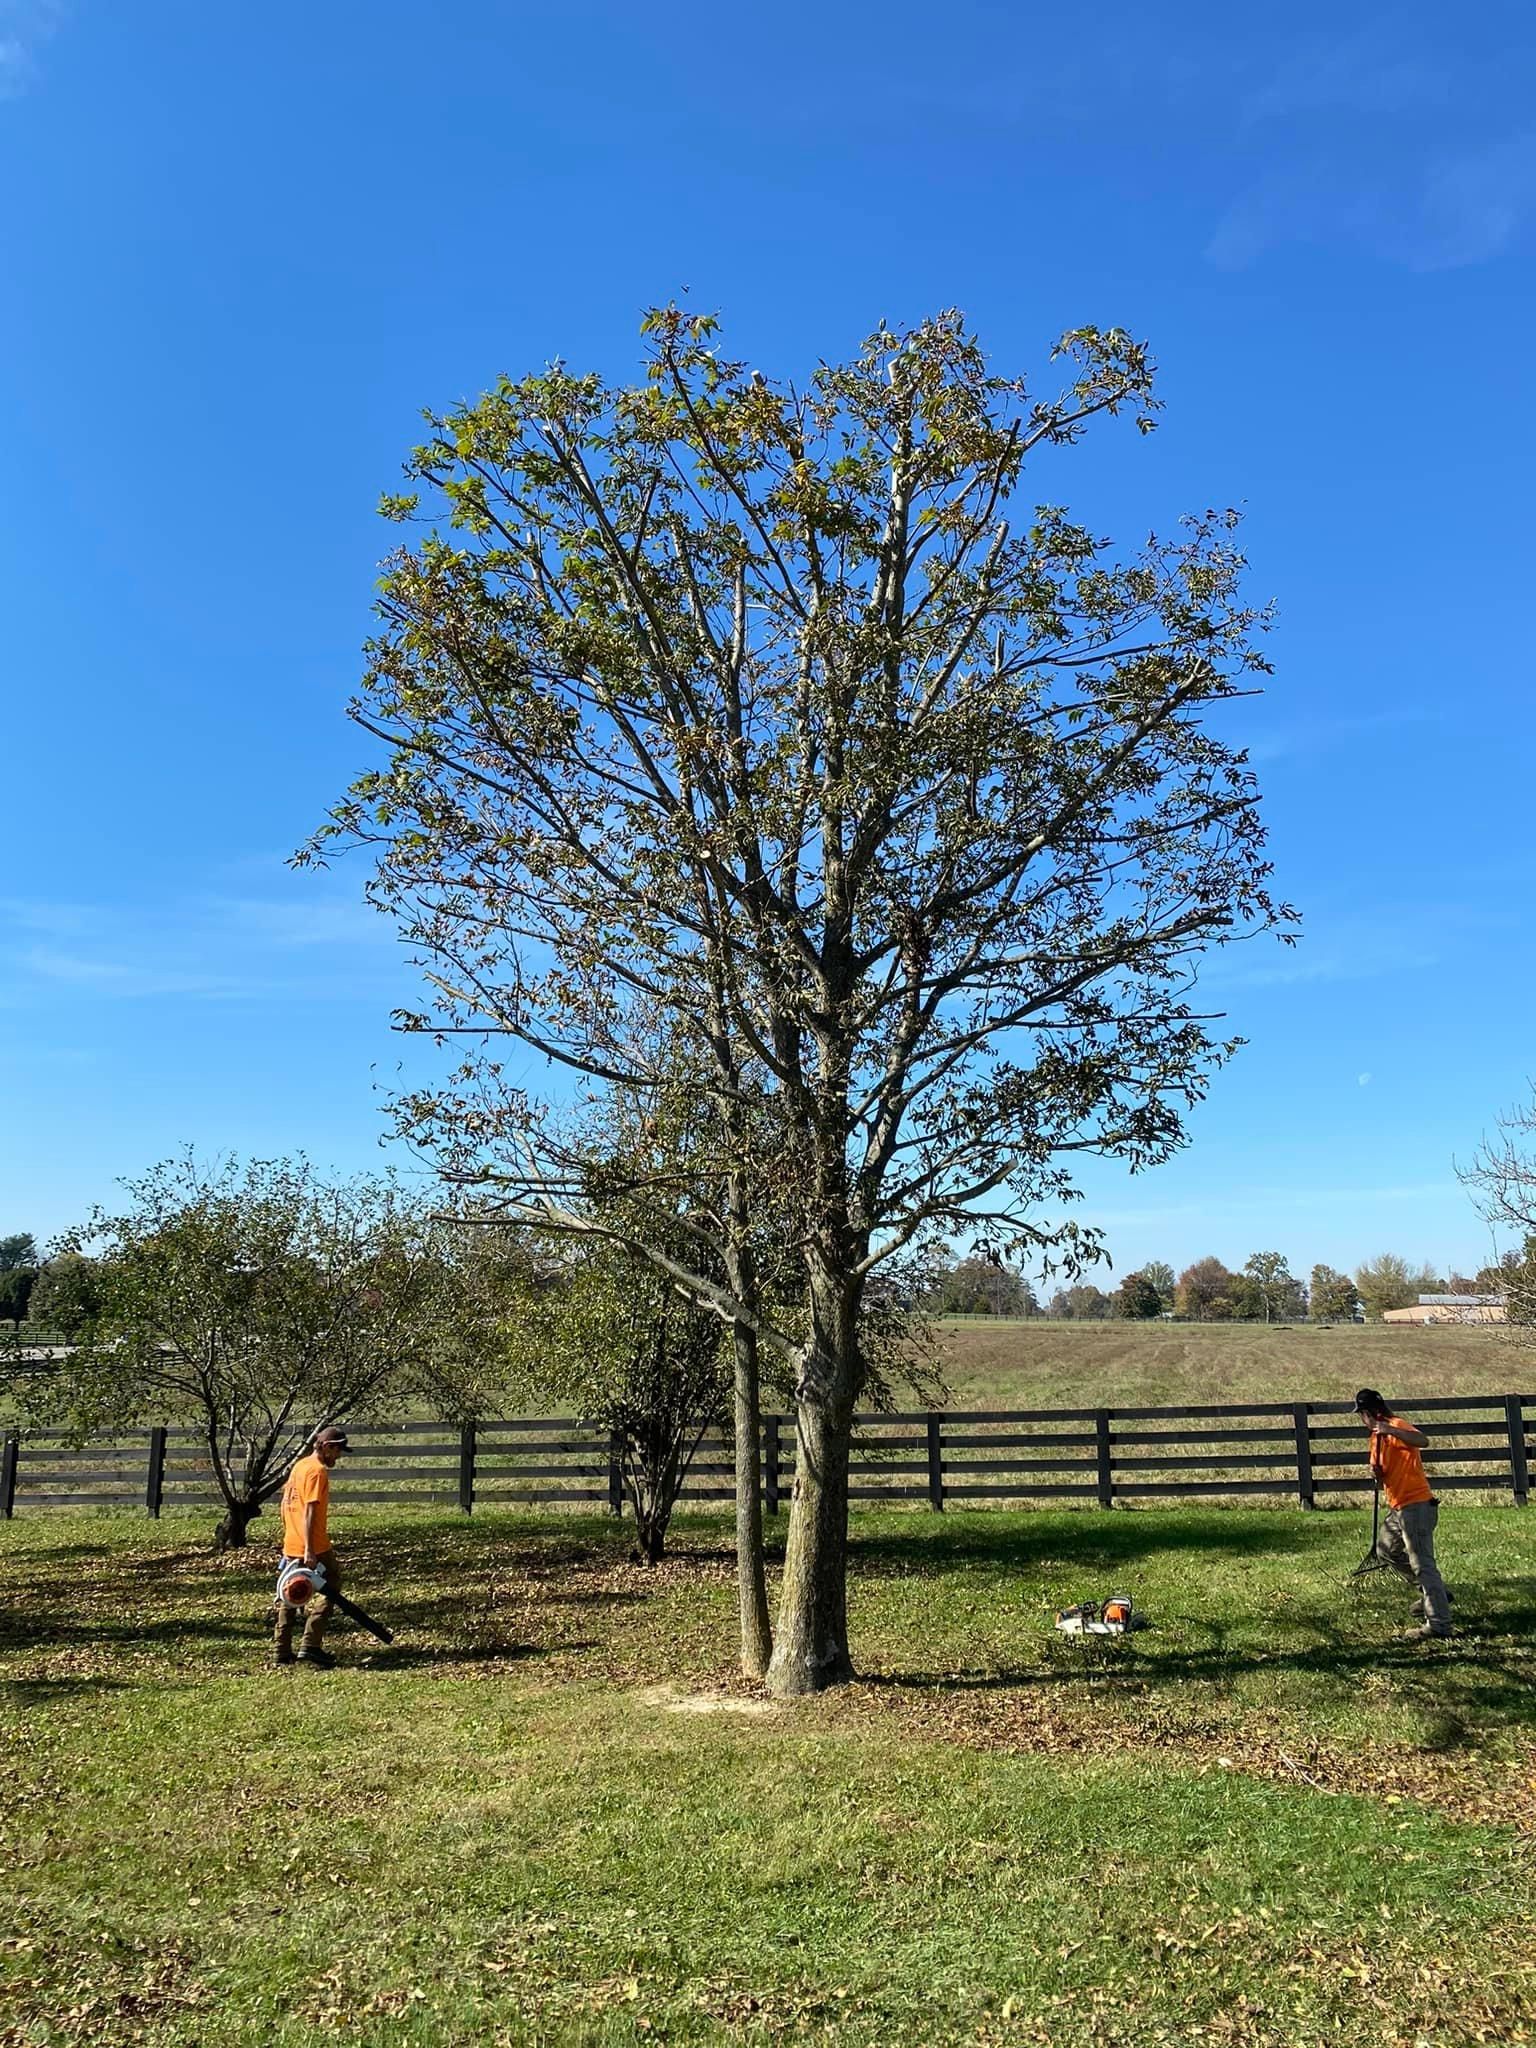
1407 1540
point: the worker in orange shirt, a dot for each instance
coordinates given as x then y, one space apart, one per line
1407 1539
306 1537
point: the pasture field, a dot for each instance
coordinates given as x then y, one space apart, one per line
550 1814
1039 1364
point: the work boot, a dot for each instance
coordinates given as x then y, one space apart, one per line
1426 1634
321 1659
1418 1605
282 1653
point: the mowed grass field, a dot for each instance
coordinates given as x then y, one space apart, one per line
551 1814
1040 1364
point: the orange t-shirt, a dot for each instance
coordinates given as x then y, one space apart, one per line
1399 1468
308 1481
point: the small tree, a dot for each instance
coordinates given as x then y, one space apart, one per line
602 1331
1333 1296
1205 1292
259 1304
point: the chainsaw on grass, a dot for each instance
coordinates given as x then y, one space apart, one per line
1115 1616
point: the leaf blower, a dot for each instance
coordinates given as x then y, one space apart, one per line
299 1583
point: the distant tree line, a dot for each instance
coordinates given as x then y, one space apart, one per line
1264 1290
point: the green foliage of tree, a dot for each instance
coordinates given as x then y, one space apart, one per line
1160 1273
1080 1304
1207 1292
1333 1297
791 716
1138 1298
1272 1287
982 1287
18 1250
258 1303
67 1296
600 1330
1388 1281
17 1284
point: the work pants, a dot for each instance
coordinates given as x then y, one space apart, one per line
1407 1544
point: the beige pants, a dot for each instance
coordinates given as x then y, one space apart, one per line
1407 1544
314 1615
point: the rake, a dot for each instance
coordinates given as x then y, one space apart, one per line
1372 1561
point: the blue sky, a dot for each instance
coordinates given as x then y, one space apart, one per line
243 247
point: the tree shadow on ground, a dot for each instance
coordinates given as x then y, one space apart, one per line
38 1692
399 1656
1092 1541
1485 1673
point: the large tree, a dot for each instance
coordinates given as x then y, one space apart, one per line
257 1303
1333 1296
1388 1281
18 1250
982 1286
1206 1291
1160 1273
1137 1298
788 714
1276 1290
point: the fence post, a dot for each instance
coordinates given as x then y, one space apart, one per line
615 1474
1519 1470
771 1461
154 1478
10 1452
1106 1477
467 1469
1307 1493
935 1465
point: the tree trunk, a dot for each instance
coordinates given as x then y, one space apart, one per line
810 1649
751 1581
238 1516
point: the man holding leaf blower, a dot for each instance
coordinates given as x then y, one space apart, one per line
1407 1540
306 1540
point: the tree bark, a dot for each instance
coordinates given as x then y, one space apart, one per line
751 1579
810 1649
237 1518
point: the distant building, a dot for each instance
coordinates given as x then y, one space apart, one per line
1450 1308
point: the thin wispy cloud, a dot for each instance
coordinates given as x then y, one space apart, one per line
205 948
25 26
1357 73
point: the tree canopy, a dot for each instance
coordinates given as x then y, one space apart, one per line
258 1303
786 715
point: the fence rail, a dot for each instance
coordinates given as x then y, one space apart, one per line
1299 1451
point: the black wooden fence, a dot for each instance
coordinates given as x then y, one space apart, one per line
1282 1450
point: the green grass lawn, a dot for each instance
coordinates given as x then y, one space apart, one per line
550 1813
